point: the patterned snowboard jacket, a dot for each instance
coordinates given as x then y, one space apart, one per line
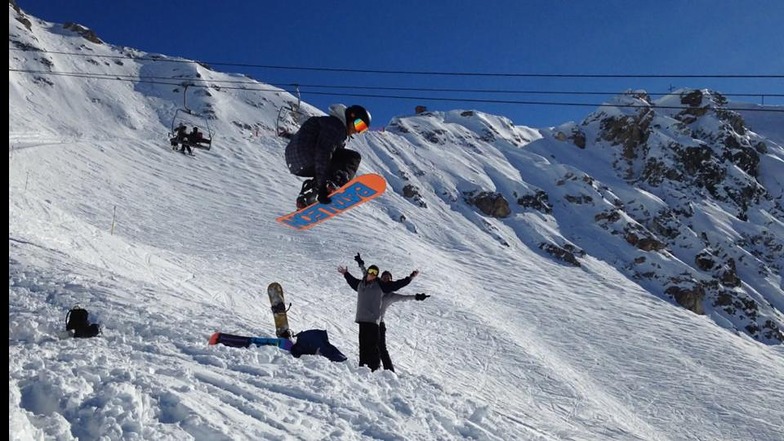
310 150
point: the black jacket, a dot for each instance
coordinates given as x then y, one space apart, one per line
310 150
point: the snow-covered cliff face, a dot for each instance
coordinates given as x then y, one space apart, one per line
679 193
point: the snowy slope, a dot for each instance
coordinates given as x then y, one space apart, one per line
164 249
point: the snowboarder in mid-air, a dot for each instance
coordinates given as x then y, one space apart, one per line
317 151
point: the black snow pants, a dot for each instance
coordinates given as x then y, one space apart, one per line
382 347
369 354
343 160
346 161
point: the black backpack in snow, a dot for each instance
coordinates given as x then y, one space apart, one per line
77 321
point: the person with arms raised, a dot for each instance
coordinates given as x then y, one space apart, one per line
370 291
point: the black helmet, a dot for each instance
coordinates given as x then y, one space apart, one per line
356 111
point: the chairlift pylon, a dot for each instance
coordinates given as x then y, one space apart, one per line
289 117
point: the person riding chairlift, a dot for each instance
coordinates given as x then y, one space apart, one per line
181 132
195 136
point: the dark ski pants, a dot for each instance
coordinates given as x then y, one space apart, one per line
369 354
382 347
344 160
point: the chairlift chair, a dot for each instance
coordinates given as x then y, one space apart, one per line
187 117
191 120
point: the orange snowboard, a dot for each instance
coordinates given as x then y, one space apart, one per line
356 192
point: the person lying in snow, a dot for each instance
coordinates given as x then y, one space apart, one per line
310 342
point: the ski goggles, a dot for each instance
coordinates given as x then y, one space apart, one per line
360 125
373 272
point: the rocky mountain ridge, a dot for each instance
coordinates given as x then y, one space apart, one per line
675 159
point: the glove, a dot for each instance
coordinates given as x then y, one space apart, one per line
359 260
421 296
323 195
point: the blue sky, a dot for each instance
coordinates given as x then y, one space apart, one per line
501 37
